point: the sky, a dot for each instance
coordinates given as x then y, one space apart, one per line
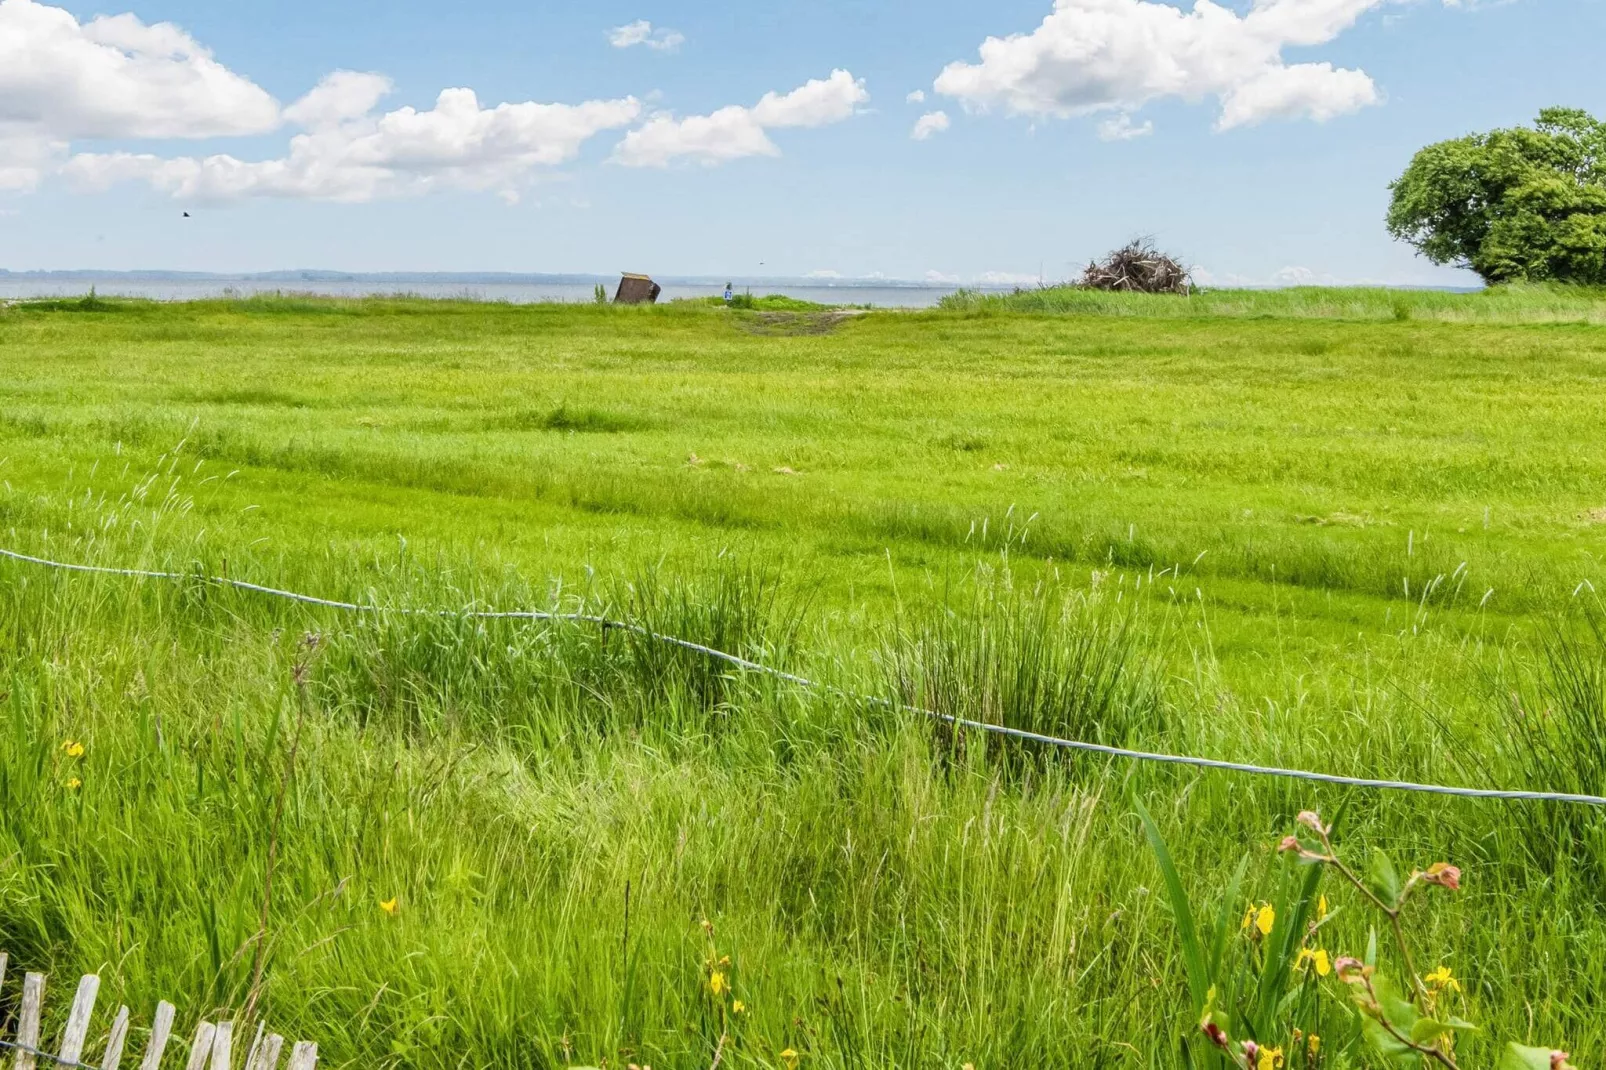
942 139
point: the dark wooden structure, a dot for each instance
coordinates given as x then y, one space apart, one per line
637 290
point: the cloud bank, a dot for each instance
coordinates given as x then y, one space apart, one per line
64 82
1092 56
734 132
349 154
110 77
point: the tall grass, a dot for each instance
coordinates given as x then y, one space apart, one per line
911 508
1517 303
1079 666
885 899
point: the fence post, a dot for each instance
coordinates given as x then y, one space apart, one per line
33 995
115 1042
83 1005
201 1049
222 1046
161 1032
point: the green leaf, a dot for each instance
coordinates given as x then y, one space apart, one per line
1385 879
1390 1047
1396 1008
1427 1030
1520 1057
1193 960
1400 1012
1226 921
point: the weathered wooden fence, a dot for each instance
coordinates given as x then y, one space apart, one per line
212 1048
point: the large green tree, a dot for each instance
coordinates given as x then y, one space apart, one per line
1513 205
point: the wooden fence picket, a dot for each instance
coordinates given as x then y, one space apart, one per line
77 1031
267 1056
115 1042
161 1031
33 998
212 1049
201 1049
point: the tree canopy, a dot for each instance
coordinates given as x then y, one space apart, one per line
1514 205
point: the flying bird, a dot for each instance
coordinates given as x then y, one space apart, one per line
186 215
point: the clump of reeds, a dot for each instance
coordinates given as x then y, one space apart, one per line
1078 666
1554 739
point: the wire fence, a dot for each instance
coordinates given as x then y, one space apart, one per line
805 683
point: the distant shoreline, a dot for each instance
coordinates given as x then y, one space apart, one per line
512 278
504 278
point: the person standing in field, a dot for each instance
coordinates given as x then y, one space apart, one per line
729 294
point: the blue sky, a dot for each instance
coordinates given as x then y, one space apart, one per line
1322 103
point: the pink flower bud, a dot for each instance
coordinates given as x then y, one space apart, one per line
1290 843
1251 1049
1313 821
1217 1036
1349 969
1444 875
1558 1060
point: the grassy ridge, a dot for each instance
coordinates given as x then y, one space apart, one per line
1500 304
1222 536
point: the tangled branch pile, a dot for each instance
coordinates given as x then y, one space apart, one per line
1138 268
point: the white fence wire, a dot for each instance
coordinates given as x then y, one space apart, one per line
812 685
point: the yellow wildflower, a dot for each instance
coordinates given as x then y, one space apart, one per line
1314 1045
73 783
1262 917
1269 1059
1442 978
73 748
789 1057
1321 907
718 983
738 1007
1318 958
391 906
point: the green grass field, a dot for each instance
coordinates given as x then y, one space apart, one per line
1352 531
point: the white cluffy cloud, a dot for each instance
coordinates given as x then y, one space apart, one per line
642 32
734 132
349 154
116 78
916 97
929 125
110 77
1117 55
1121 128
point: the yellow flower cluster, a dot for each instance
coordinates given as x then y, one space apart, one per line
1262 918
75 750
1442 978
1318 958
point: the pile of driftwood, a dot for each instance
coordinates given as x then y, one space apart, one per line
1138 268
